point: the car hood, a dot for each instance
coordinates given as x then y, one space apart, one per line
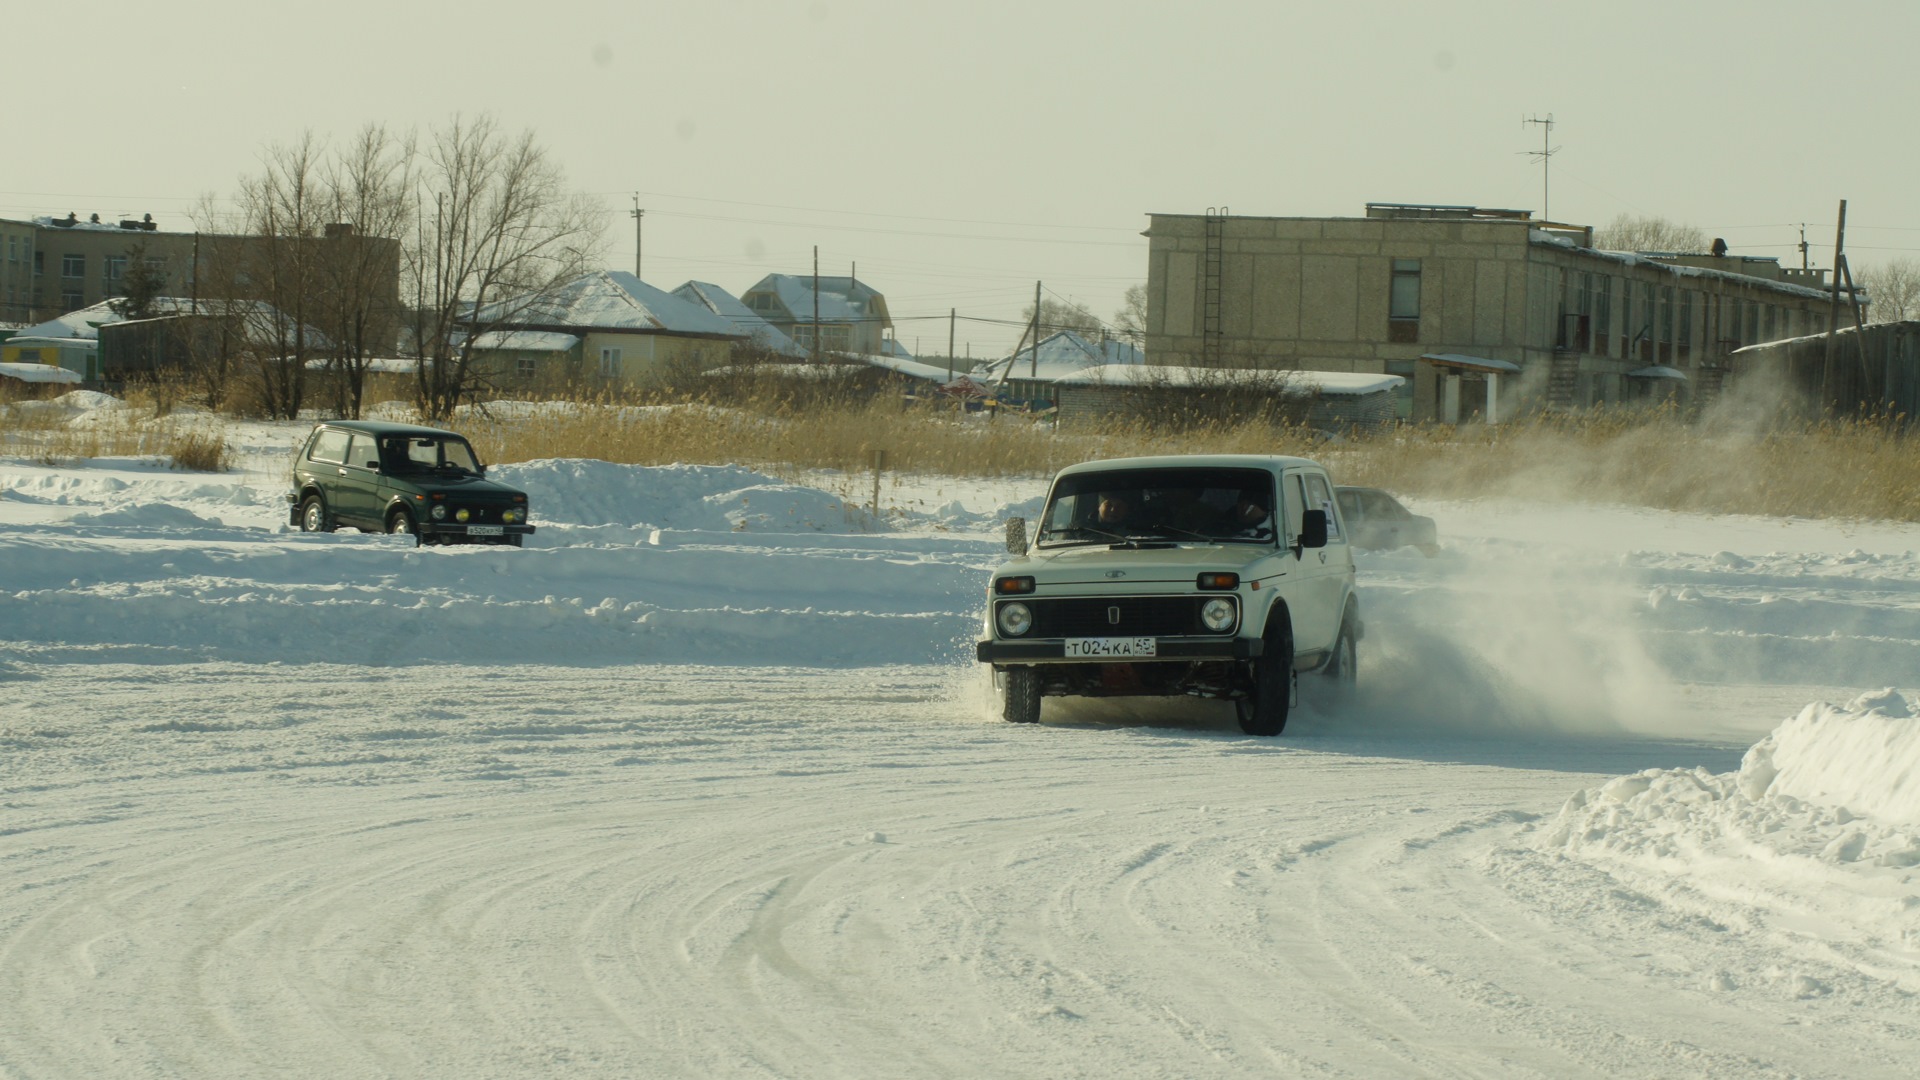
1100 564
469 486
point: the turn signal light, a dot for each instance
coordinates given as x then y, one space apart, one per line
1010 586
1212 580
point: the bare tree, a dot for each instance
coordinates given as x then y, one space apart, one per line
283 209
369 196
1893 287
1630 233
1131 319
498 236
1063 315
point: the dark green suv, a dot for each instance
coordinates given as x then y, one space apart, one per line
399 478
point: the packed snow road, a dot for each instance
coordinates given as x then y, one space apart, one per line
707 786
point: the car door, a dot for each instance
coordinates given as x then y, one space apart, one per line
1315 592
359 484
326 465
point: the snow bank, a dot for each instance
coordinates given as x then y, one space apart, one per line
1837 784
712 498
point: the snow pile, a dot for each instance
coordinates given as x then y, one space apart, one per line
708 498
1837 784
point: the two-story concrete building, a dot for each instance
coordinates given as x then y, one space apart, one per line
1485 312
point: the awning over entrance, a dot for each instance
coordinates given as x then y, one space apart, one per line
1463 362
1658 371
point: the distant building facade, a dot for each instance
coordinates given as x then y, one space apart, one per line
1485 312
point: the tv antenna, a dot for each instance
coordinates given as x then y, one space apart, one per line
1544 153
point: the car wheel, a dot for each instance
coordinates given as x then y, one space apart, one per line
1270 686
1343 667
313 516
1021 704
401 521
514 541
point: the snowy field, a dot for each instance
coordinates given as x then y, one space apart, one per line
704 782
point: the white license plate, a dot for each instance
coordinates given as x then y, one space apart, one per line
485 530
1112 646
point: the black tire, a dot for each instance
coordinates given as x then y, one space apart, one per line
1343 667
401 521
1021 702
514 541
1269 687
313 515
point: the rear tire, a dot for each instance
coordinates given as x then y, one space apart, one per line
1021 703
1264 710
1343 667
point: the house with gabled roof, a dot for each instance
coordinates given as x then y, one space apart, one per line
1028 375
731 308
607 325
843 314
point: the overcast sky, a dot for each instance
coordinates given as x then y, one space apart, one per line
958 152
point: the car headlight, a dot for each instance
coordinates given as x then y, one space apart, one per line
460 514
1218 614
439 511
510 516
1015 619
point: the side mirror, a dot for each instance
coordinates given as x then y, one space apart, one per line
1016 536
1313 529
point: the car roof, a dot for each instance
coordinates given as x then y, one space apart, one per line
1269 462
382 427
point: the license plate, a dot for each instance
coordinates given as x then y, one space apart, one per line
485 530
1112 646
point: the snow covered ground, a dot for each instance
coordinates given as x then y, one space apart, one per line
704 782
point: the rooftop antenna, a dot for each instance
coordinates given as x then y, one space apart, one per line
1803 245
1544 153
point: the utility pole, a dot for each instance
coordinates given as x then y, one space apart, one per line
816 303
1034 372
1544 153
952 317
638 214
1833 308
1803 245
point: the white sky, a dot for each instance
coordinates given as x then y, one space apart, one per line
958 152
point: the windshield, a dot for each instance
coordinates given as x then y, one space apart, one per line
400 454
1181 505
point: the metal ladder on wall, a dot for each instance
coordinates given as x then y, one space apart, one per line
1211 268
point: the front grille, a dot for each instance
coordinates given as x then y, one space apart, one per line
1138 616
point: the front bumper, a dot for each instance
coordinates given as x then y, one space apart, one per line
1054 651
454 528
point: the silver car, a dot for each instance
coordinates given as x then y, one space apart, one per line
1377 522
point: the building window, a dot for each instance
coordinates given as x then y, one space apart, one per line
1665 352
1646 327
1403 302
610 363
1603 314
115 267
1686 323
526 366
73 266
72 301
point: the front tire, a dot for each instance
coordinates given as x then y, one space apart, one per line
1264 710
401 521
313 516
1021 703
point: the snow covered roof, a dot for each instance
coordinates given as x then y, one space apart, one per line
1657 371
842 299
909 366
745 319
610 300
39 373
892 347
1325 382
1630 258
85 323
526 340
1062 354
1471 363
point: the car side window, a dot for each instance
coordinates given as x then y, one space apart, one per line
330 446
365 453
1320 497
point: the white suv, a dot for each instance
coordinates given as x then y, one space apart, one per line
1215 576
